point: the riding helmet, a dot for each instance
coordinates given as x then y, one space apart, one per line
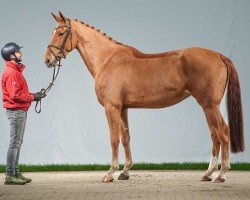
8 49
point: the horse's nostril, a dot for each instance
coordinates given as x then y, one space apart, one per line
47 61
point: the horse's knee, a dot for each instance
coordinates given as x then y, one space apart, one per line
115 141
125 139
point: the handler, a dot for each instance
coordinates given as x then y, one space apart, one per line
16 100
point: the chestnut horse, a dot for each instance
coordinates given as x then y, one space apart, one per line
126 78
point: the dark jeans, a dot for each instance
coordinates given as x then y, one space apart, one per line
17 119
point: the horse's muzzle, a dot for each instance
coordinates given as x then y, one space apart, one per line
49 63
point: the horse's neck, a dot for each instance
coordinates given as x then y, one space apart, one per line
94 48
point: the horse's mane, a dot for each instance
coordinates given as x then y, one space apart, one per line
135 51
99 31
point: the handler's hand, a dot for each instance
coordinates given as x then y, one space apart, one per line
38 96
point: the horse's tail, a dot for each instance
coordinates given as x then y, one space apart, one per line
234 108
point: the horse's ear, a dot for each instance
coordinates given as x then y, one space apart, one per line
57 18
63 18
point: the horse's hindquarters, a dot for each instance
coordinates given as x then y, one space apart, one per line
207 76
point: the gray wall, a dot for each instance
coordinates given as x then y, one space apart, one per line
72 127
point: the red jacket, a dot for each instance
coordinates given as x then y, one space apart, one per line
14 87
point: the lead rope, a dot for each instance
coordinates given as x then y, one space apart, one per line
38 107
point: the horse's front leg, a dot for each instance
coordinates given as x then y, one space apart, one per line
113 115
125 138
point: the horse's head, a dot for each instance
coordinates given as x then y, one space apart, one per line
62 41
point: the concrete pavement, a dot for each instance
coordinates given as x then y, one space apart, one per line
141 185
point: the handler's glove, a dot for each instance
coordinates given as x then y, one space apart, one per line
38 96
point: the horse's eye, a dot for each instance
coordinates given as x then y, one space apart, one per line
60 34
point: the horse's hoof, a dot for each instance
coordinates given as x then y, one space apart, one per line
107 178
206 178
218 179
123 176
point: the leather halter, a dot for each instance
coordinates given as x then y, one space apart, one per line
62 47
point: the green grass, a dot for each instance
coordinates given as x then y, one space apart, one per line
136 166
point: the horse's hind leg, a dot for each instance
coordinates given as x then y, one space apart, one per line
220 137
213 166
125 138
